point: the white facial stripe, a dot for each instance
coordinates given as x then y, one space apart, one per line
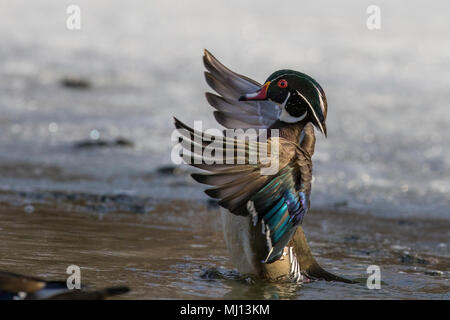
286 100
312 110
285 116
321 104
320 98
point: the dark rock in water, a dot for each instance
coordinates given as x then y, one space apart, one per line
172 170
138 208
216 274
211 274
75 83
412 259
341 204
119 142
363 252
405 223
122 142
90 144
103 203
351 239
434 273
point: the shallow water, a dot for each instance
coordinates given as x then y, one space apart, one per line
165 252
381 188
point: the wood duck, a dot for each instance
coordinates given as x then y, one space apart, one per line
15 286
263 213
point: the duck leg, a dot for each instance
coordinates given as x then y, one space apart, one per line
308 264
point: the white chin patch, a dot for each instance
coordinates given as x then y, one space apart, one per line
286 117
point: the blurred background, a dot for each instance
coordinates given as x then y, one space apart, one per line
86 115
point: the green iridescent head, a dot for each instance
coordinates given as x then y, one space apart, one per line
298 95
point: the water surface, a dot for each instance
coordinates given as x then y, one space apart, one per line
381 186
165 252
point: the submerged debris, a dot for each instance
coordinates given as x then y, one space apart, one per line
172 170
211 274
405 222
102 203
434 273
216 274
351 239
75 83
119 142
413 259
340 204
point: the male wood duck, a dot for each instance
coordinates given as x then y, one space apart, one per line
15 286
263 213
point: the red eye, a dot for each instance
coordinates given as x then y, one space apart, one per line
282 83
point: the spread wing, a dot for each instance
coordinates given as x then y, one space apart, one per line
231 113
277 202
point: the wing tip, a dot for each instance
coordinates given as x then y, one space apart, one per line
206 53
199 177
212 192
210 97
208 59
178 124
221 119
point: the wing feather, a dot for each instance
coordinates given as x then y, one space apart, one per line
230 86
278 202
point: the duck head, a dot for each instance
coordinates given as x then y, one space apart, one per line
298 95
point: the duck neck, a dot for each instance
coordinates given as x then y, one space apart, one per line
289 131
